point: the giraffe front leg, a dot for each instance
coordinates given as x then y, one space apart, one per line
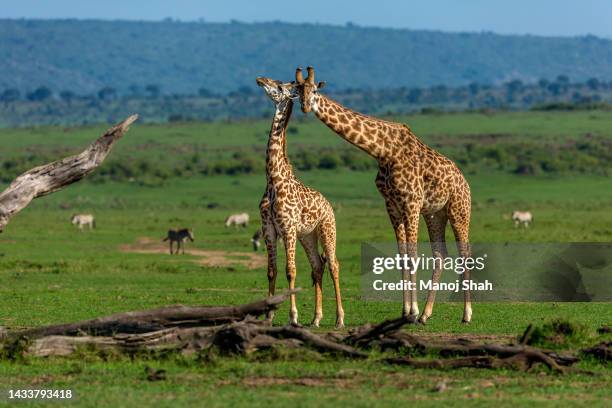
411 226
436 226
400 237
291 272
410 308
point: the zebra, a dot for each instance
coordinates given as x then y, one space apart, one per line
522 218
256 240
81 220
180 236
237 220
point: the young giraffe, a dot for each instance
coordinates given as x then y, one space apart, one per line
412 178
292 211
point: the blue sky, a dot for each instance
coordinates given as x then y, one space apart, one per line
540 17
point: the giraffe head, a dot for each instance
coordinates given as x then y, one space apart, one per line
277 90
307 88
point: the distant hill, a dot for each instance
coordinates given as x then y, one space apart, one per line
84 56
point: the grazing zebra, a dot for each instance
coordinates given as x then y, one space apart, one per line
522 218
180 236
81 220
237 220
256 240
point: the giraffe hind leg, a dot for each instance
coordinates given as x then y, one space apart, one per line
311 246
327 235
270 239
459 217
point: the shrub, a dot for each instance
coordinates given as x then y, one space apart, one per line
330 161
559 333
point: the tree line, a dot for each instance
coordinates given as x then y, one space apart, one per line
43 105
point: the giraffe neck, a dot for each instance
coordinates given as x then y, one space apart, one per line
277 162
371 135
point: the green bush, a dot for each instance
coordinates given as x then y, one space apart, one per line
330 160
560 333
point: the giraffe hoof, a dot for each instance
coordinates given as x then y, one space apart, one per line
315 323
464 321
422 320
296 324
412 319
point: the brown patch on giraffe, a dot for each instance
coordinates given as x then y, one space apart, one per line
211 258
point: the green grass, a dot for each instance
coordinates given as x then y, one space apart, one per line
50 273
241 382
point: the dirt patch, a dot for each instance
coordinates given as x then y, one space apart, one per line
475 337
303 381
212 258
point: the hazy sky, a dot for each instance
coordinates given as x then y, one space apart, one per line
542 17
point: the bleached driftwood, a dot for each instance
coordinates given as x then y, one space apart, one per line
48 178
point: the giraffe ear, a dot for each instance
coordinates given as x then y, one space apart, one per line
321 85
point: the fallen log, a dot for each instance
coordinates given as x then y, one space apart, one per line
464 347
184 340
46 179
242 337
601 351
522 361
154 320
364 335
234 330
313 340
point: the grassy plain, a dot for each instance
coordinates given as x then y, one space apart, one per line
51 273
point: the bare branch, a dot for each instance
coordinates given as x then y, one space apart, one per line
46 179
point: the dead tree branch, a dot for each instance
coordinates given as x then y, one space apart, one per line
366 334
46 179
157 319
241 337
235 330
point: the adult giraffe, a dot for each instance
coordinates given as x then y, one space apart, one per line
292 211
412 178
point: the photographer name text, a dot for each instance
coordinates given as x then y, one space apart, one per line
456 286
